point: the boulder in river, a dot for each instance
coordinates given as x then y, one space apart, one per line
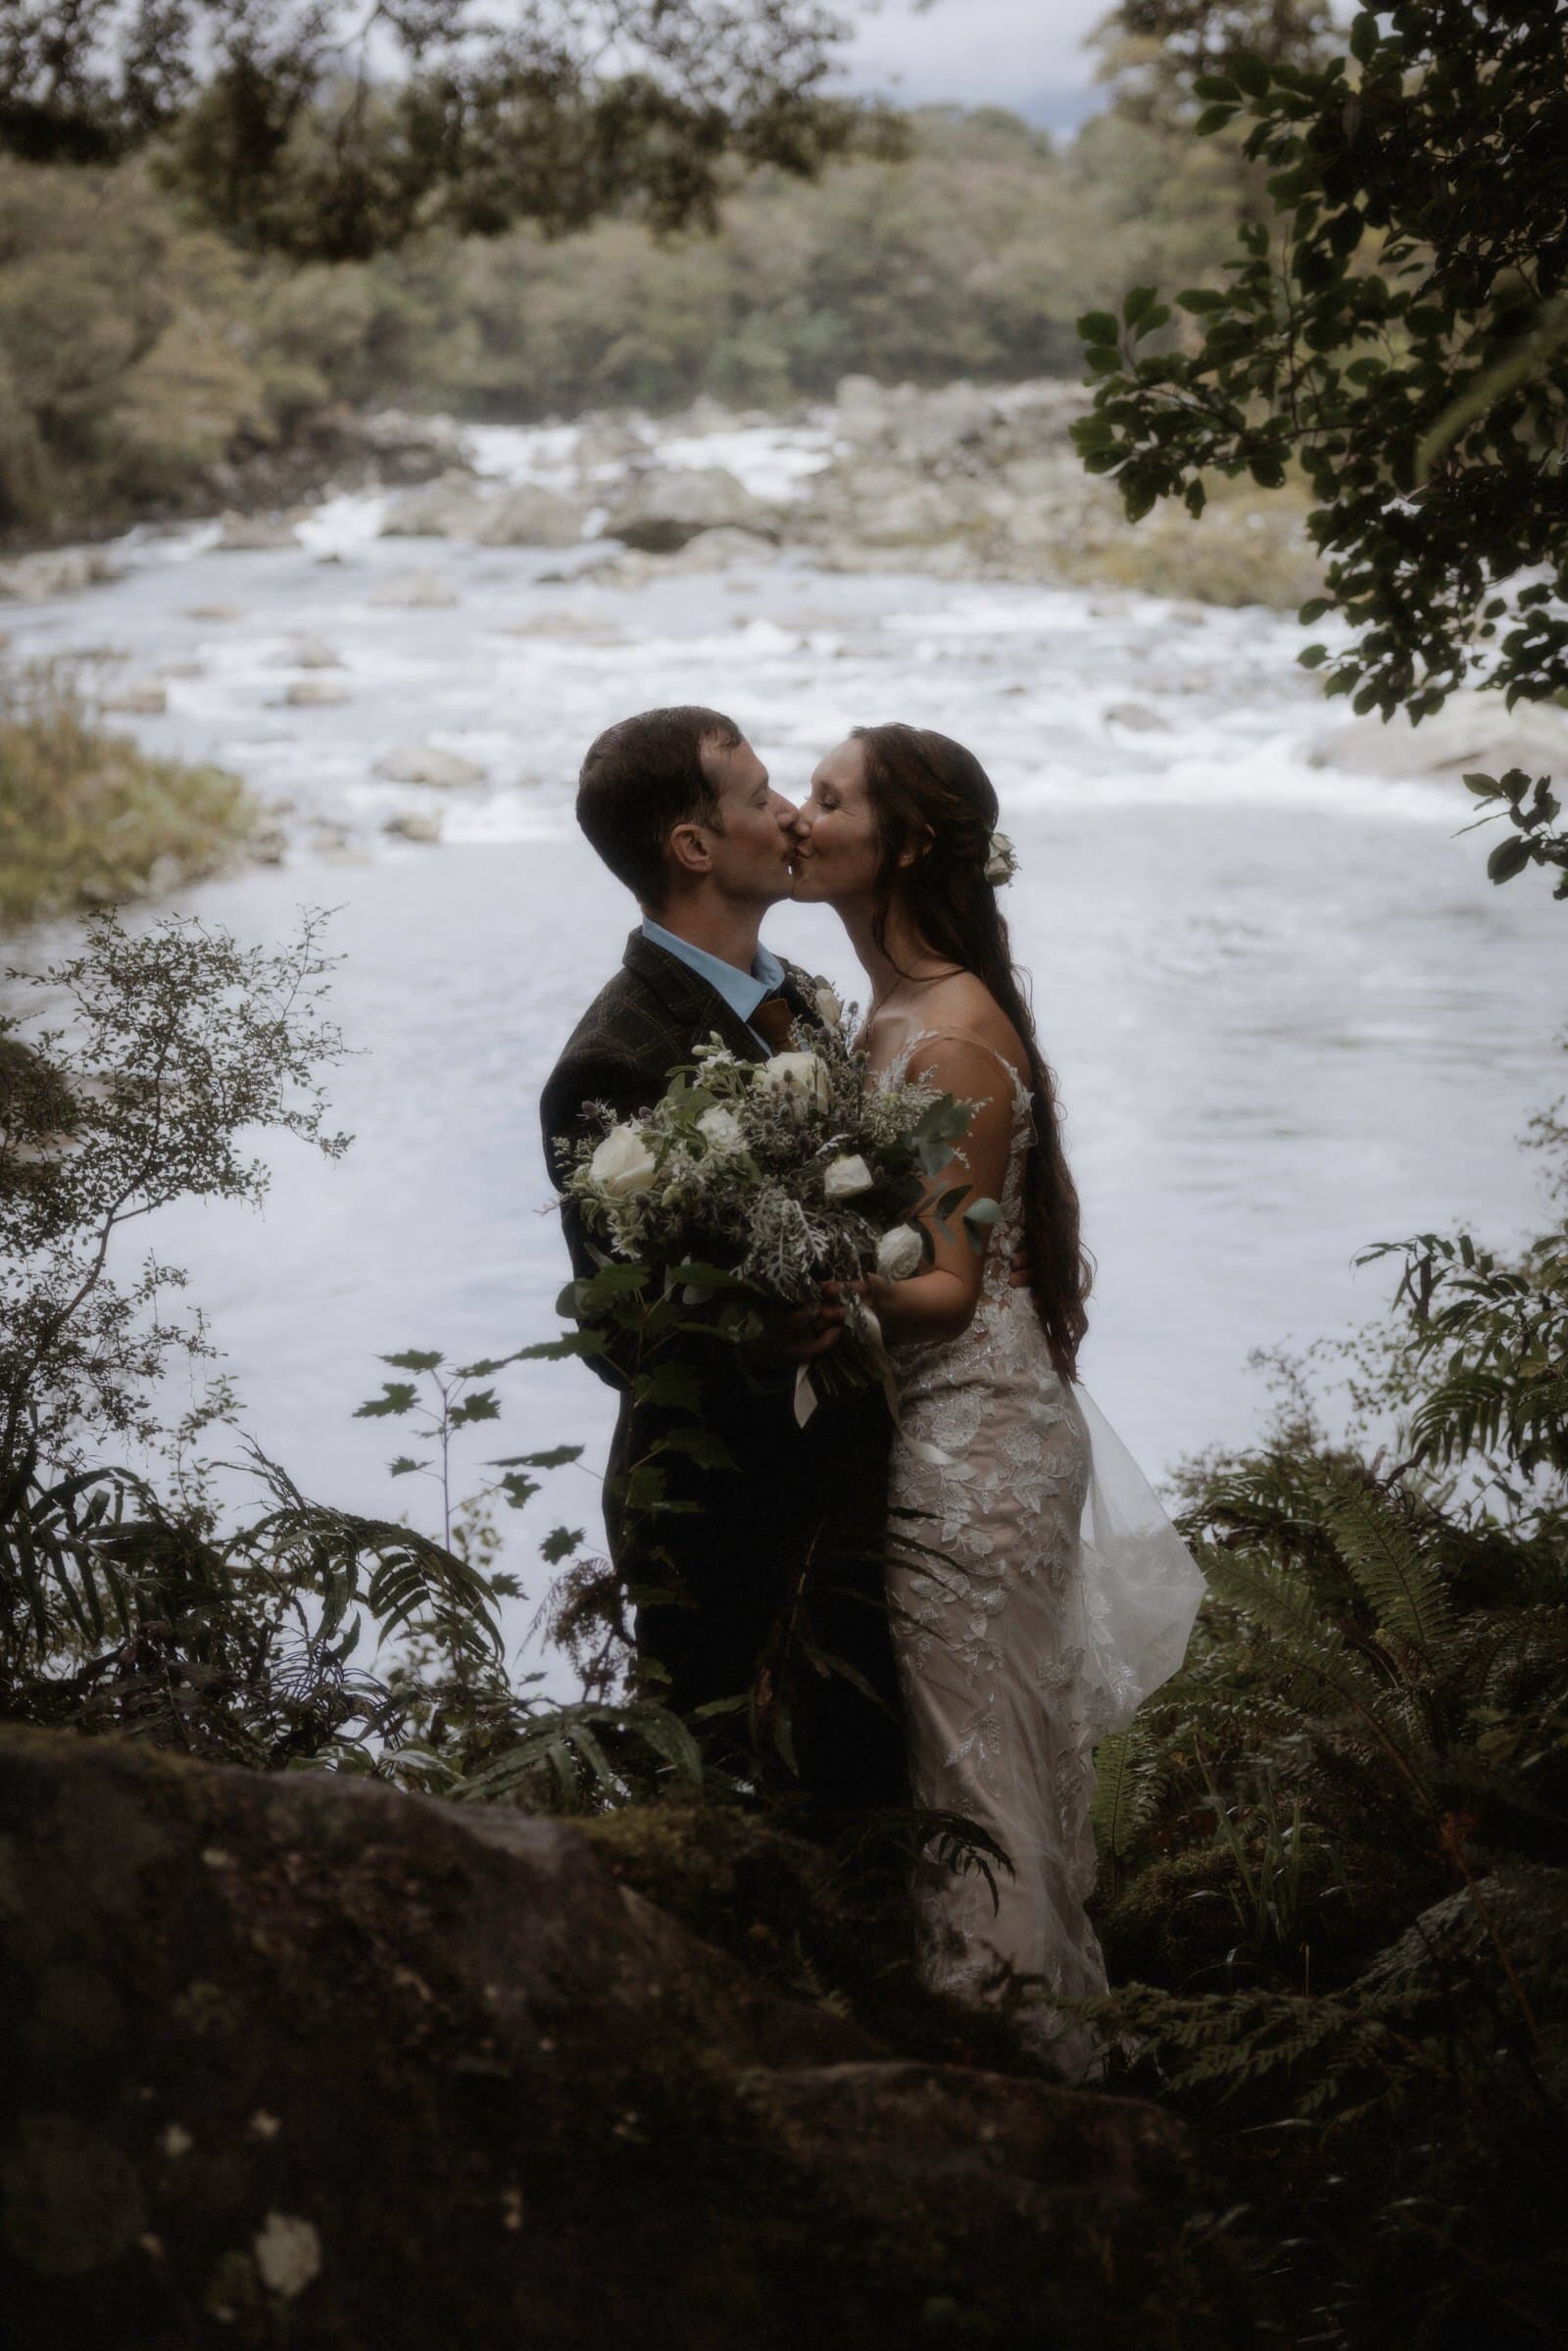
414 591
253 534
309 653
442 509
1474 733
529 515
428 764
304 2058
665 508
56 571
581 626
414 825
608 441
313 693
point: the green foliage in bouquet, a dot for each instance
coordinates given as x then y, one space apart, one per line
748 1185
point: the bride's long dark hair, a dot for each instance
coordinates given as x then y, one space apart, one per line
932 796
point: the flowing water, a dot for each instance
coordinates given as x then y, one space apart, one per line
1288 1014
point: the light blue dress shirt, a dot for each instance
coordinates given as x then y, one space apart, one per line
742 991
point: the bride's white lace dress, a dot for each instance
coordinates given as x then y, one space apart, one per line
1062 1599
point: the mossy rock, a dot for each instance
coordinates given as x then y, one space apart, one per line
816 1907
304 2058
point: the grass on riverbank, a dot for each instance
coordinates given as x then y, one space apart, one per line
89 819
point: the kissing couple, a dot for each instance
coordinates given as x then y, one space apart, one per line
994 1571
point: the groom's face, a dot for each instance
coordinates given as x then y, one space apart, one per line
752 855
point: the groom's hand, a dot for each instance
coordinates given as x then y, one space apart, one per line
800 1335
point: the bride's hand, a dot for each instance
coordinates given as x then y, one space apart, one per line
802 1334
873 1291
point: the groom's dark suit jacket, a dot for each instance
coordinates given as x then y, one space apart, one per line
780 1538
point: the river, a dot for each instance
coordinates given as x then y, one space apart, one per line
1288 1014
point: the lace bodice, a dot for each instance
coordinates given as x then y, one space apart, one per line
999 1303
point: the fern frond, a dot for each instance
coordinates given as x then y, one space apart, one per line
1405 1589
1130 1776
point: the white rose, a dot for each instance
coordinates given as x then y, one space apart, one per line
622 1165
829 1008
844 1178
899 1254
721 1130
797 1073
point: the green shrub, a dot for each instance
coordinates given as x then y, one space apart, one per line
87 818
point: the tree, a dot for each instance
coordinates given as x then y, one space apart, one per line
330 133
1150 50
1399 331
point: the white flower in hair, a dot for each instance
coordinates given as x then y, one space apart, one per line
1002 861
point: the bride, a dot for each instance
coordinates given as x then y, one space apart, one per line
1045 1592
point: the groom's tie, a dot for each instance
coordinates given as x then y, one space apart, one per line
772 1020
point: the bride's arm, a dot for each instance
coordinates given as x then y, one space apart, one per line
939 1303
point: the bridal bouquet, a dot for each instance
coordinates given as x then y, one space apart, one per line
761 1179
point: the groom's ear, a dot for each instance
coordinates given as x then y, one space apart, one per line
686 848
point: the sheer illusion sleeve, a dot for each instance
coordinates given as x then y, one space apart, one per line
939 1304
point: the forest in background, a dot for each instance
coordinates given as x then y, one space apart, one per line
144 353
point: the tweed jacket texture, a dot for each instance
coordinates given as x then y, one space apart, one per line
794 1532
646 1021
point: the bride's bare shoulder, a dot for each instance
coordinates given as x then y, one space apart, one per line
966 1004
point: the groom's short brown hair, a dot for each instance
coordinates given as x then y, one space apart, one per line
642 777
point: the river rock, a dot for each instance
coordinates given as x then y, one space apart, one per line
147 700
313 693
56 571
299 2057
1474 733
529 515
214 611
308 653
414 826
181 668
252 534
662 510
581 627
427 764
716 550
442 509
608 441
414 590
409 447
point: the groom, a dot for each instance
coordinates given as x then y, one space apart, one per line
785 1547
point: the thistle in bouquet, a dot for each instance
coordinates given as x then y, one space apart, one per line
749 1184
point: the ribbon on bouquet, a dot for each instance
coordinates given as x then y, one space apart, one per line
864 1327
